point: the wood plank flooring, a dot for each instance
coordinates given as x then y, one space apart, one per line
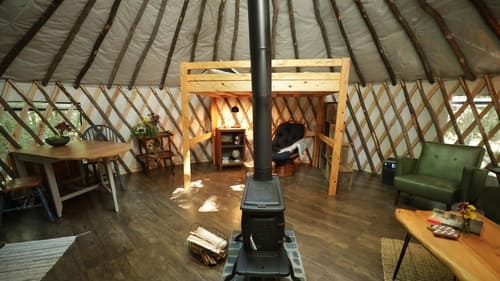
338 237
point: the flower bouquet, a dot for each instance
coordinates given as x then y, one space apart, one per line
147 127
59 139
468 212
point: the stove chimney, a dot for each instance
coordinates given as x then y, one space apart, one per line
260 58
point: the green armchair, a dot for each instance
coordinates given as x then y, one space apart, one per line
446 173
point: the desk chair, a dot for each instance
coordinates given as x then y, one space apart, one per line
20 189
102 133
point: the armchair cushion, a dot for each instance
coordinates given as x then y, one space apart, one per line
438 189
444 172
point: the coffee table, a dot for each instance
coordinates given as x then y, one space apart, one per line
471 257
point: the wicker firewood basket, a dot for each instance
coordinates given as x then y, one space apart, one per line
205 254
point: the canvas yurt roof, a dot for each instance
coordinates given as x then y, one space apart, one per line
419 71
142 42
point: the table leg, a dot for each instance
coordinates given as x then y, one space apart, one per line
51 178
111 178
54 189
401 255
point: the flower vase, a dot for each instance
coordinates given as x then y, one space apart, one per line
466 227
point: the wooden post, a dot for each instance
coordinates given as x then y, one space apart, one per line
317 131
214 116
186 142
339 128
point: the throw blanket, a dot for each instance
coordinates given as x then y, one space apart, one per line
299 145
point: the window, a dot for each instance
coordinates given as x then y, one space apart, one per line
32 120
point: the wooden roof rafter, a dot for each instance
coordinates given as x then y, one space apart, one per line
67 42
274 27
28 36
173 43
220 21
152 37
413 39
98 42
450 38
488 16
125 45
291 17
236 26
322 27
198 28
340 23
374 36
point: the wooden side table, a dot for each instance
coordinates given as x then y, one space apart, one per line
156 150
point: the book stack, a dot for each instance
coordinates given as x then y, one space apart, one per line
449 218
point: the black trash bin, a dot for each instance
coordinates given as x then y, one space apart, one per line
388 171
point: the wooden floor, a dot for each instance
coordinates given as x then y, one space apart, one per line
338 237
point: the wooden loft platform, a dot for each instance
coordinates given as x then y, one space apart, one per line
303 77
285 79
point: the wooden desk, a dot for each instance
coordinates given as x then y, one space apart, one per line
470 258
46 155
156 149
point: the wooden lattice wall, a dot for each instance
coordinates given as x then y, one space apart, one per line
382 120
385 121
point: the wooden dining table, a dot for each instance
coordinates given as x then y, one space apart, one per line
77 150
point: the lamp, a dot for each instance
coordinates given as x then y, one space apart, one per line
234 111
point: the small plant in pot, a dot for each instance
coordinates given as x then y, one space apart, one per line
59 138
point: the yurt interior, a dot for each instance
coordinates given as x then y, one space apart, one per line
218 140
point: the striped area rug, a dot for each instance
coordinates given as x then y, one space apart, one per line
418 264
31 260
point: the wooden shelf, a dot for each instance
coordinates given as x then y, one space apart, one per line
155 150
229 147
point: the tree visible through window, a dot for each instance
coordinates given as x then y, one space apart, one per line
32 120
469 126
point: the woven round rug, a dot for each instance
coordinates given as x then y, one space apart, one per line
418 264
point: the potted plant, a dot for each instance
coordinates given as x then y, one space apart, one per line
147 127
59 138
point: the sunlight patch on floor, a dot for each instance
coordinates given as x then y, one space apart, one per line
210 205
237 187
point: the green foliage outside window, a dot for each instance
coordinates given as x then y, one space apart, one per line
33 121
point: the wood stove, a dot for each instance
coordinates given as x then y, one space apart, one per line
263 219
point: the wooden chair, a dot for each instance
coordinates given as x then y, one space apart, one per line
20 193
102 133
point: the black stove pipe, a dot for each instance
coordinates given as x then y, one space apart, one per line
260 57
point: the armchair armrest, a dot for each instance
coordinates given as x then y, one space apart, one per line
405 165
473 180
